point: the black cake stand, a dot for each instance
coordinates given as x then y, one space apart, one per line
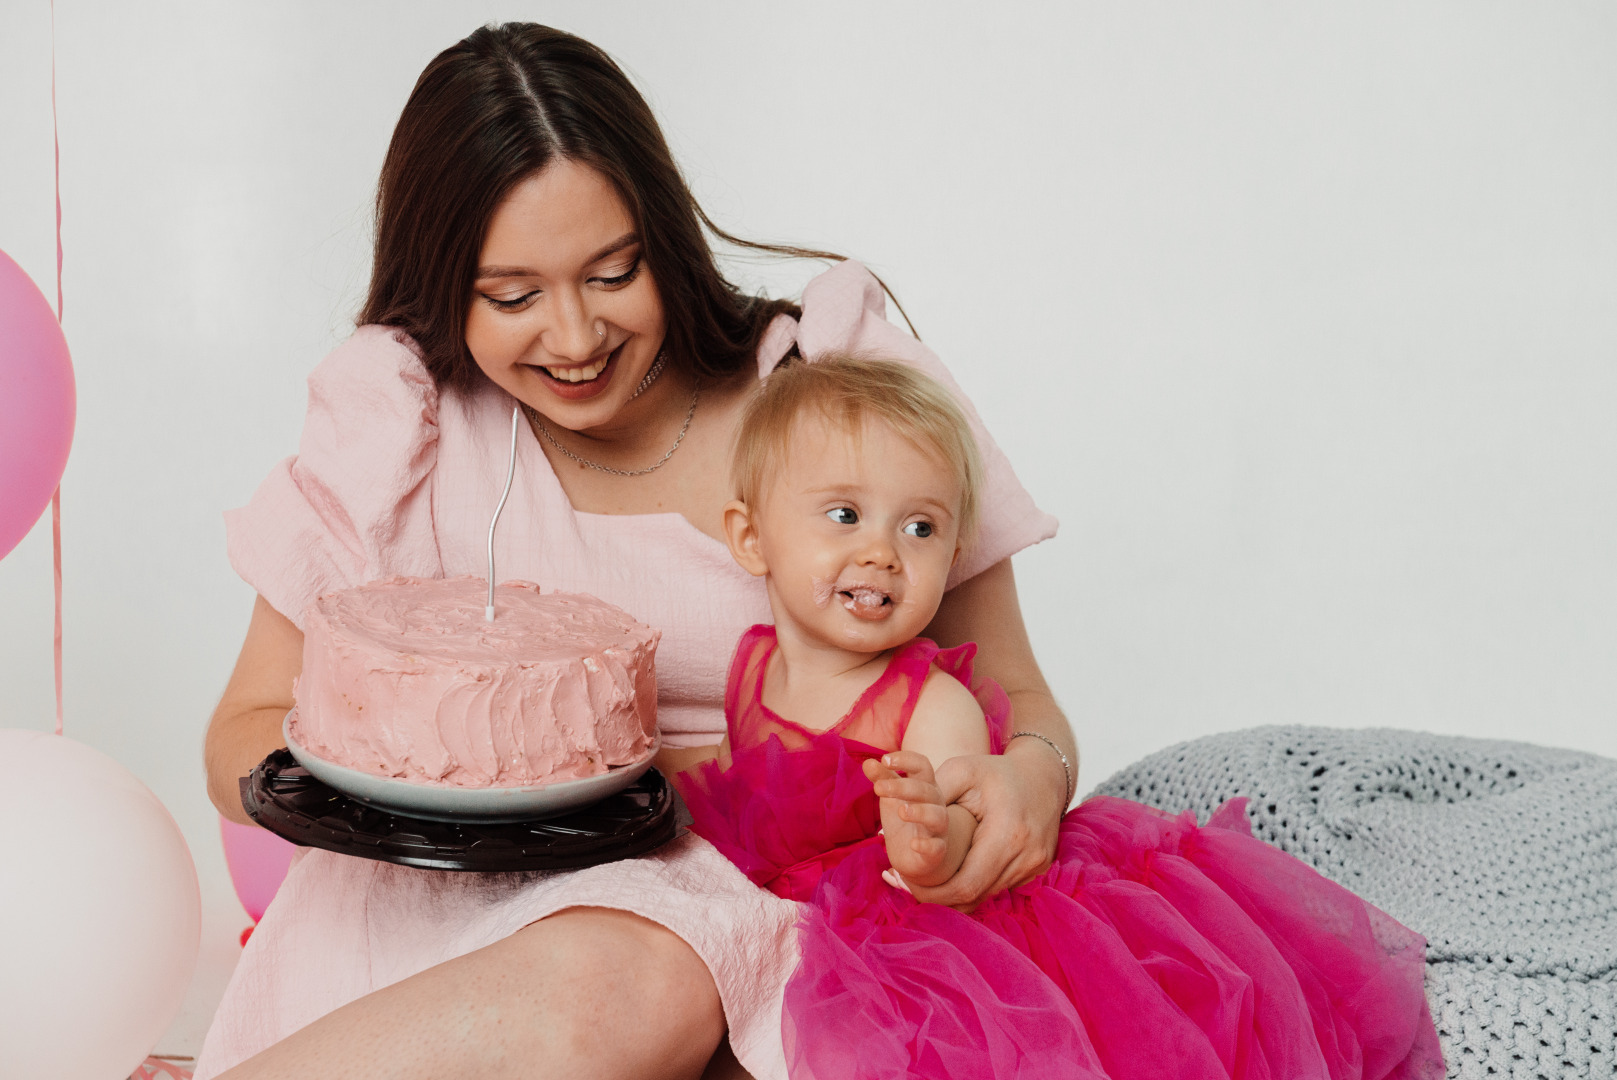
281 796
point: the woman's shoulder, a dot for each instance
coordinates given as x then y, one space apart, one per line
354 504
371 397
376 360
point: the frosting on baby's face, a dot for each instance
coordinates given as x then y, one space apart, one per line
858 531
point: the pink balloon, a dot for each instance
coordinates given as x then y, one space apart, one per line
258 861
36 403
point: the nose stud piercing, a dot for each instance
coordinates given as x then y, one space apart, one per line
600 329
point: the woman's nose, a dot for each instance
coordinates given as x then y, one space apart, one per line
571 334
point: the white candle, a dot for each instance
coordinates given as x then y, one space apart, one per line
510 473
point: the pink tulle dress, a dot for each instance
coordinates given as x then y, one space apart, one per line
1151 948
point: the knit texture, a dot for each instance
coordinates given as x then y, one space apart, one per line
1504 855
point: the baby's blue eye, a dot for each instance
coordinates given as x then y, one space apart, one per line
843 515
921 529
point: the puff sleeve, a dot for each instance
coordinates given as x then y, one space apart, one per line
845 311
355 503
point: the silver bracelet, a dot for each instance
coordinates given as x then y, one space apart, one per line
1066 766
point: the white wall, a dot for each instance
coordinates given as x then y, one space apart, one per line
1300 319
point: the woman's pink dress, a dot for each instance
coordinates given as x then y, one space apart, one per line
395 477
1152 948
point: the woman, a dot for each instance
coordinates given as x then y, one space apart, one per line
536 244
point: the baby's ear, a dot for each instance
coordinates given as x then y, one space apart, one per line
741 534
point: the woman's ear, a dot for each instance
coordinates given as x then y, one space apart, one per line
741 534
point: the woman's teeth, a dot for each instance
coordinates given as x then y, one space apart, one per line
578 374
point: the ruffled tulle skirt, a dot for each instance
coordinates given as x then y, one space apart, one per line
1152 948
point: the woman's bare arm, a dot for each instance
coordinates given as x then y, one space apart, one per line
671 760
247 724
1018 799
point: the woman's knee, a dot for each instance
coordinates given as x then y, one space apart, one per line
611 966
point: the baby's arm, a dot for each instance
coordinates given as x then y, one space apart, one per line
926 839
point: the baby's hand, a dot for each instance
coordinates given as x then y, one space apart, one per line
914 817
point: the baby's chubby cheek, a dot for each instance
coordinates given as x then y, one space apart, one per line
824 588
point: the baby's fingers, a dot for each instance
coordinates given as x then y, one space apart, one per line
908 789
928 817
913 765
875 770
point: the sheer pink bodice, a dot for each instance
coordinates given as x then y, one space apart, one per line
821 806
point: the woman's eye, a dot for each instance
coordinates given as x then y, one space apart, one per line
617 280
843 515
516 303
919 529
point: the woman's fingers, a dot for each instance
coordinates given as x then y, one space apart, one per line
974 880
960 776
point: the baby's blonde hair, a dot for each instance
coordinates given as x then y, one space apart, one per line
847 389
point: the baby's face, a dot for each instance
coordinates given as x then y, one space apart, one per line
858 531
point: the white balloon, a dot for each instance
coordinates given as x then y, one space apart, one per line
100 914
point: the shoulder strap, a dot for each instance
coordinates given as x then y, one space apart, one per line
883 712
743 692
991 697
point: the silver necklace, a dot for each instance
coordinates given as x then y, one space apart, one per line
657 366
539 423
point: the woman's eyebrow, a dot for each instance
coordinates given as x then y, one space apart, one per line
628 239
484 272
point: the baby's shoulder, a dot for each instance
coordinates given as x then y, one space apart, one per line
945 698
947 720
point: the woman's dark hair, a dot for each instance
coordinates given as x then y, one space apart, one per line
493 110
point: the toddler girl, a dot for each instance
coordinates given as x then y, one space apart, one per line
1151 947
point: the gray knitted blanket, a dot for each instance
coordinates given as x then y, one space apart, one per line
1503 855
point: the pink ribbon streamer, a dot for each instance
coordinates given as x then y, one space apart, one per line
56 555
56 496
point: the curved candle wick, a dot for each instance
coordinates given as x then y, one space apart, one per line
510 473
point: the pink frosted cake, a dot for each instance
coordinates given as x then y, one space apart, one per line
405 678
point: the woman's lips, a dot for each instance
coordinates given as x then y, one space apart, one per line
580 391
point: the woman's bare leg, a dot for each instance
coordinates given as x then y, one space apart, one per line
724 1065
586 993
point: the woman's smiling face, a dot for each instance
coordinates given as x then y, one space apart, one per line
564 314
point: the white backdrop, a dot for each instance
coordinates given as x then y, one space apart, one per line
1300 320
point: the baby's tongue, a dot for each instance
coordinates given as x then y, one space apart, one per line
865 599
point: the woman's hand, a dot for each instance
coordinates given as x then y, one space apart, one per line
1018 818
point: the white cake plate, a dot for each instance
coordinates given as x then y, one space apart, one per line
451 804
